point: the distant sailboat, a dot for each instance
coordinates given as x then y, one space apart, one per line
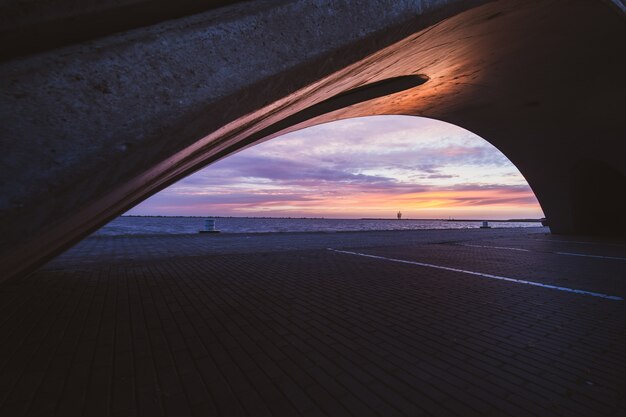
399 215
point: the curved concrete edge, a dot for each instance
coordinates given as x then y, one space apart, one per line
92 114
513 89
35 26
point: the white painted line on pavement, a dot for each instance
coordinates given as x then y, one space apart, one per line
480 274
578 242
494 247
591 256
556 253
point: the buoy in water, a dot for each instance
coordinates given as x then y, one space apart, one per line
209 226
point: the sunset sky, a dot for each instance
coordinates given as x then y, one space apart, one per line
363 167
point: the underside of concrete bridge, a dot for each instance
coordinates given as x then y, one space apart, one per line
103 106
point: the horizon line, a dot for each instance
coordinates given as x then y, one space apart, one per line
335 218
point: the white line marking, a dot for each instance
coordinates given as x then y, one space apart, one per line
494 247
556 253
579 242
591 256
619 4
480 274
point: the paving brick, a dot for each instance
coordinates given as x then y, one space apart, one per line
149 401
14 409
325 401
189 327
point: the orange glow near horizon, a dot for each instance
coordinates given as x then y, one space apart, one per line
356 168
434 204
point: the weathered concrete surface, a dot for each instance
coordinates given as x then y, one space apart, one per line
90 130
32 26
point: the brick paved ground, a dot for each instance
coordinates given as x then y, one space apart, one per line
220 328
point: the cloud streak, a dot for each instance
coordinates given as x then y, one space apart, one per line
366 167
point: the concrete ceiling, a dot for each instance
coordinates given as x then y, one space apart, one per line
89 130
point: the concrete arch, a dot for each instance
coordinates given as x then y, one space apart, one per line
91 129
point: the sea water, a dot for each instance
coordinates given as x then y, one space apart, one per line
136 225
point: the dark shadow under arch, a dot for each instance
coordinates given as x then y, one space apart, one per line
593 184
510 71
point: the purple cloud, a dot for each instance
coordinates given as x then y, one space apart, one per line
361 161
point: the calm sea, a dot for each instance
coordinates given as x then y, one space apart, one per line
129 225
